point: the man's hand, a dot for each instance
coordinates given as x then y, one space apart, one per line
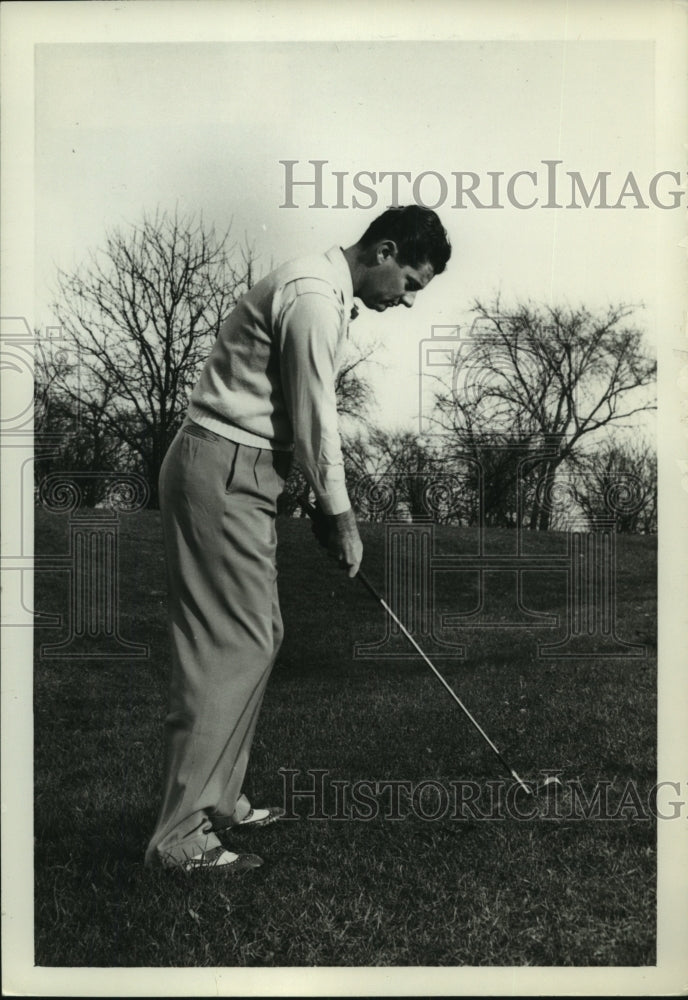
338 533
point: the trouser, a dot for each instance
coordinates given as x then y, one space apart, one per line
218 507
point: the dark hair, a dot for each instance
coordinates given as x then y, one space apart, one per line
417 232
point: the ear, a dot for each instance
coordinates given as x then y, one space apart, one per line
385 250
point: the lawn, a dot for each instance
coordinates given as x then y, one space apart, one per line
472 887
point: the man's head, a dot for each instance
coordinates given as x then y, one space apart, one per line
397 256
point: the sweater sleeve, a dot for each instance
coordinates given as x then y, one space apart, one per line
309 332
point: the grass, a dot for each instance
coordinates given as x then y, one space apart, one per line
341 892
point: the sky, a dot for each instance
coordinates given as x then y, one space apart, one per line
122 129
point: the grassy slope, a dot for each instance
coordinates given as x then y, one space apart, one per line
415 892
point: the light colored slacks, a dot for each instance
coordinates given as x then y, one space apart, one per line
218 507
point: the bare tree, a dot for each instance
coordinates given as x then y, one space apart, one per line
410 465
540 379
353 388
390 474
619 480
142 314
72 435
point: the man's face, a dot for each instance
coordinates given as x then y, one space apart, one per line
389 283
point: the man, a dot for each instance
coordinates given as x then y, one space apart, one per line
267 390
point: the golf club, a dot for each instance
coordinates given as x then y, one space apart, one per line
313 514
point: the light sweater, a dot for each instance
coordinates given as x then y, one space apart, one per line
269 381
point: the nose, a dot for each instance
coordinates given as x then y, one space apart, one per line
408 299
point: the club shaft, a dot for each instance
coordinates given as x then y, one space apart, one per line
378 597
471 718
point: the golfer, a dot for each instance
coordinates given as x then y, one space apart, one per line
266 393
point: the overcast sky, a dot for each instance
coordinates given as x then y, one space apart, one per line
124 128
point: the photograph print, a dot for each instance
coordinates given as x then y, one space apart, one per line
353 442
